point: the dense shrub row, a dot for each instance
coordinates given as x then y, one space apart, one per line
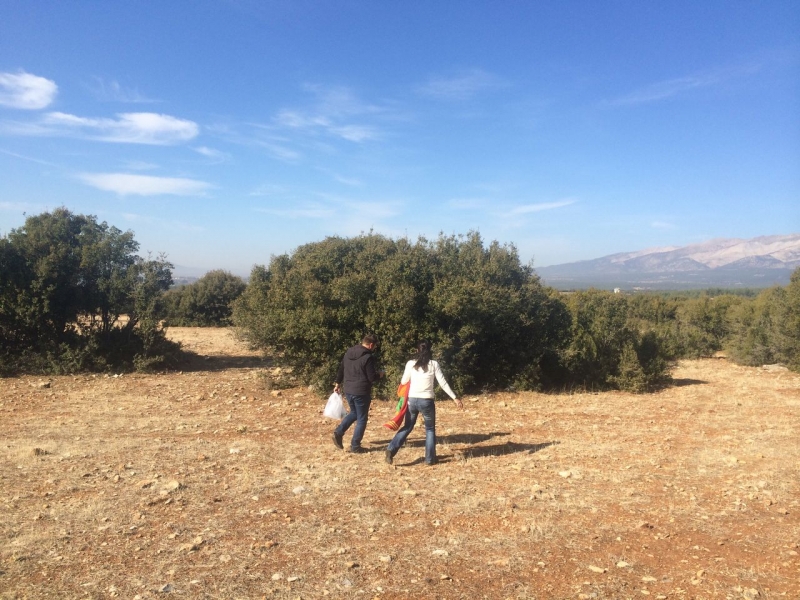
74 295
492 323
763 329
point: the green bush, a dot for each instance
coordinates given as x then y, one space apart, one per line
704 324
205 303
66 281
790 331
756 325
610 348
490 321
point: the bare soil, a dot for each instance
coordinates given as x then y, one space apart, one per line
207 484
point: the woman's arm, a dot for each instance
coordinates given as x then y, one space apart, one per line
442 382
407 373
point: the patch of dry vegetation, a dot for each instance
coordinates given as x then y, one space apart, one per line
208 484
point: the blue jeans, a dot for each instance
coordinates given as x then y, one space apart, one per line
359 413
416 406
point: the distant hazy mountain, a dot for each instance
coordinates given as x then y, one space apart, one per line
758 262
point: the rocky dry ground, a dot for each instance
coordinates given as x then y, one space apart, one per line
207 484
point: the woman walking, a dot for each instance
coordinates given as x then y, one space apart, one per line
421 372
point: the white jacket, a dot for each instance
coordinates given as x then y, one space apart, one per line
422 381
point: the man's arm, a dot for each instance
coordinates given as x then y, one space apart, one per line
370 371
339 377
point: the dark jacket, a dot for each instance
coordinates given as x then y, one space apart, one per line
357 371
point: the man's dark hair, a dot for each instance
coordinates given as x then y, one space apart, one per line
370 338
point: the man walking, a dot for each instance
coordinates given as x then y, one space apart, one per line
357 372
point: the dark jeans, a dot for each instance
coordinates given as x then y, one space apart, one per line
427 407
359 413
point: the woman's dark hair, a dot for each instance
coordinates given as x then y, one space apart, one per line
423 356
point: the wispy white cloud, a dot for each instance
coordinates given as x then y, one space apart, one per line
350 181
132 128
372 210
460 87
216 156
112 91
525 209
139 165
280 151
26 91
339 102
331 113
269 189
354 133
352 215
661 90
126 184
29 158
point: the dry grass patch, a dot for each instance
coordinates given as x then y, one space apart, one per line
204 484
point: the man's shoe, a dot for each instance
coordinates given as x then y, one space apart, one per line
337 440
359 450
430 463
389 456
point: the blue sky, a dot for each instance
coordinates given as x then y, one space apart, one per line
223 132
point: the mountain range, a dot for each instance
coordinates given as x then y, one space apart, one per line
757 262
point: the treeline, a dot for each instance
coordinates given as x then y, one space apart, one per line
74 295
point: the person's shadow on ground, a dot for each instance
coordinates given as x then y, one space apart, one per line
471 452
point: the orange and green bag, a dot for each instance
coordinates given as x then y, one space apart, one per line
402 407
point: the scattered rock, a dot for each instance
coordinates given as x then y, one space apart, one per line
171 486
500 562
622 564
386 559
565 474
298 490
166 589
276 393
440 552
649 579
750 594
597 569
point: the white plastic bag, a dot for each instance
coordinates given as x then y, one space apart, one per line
334 409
